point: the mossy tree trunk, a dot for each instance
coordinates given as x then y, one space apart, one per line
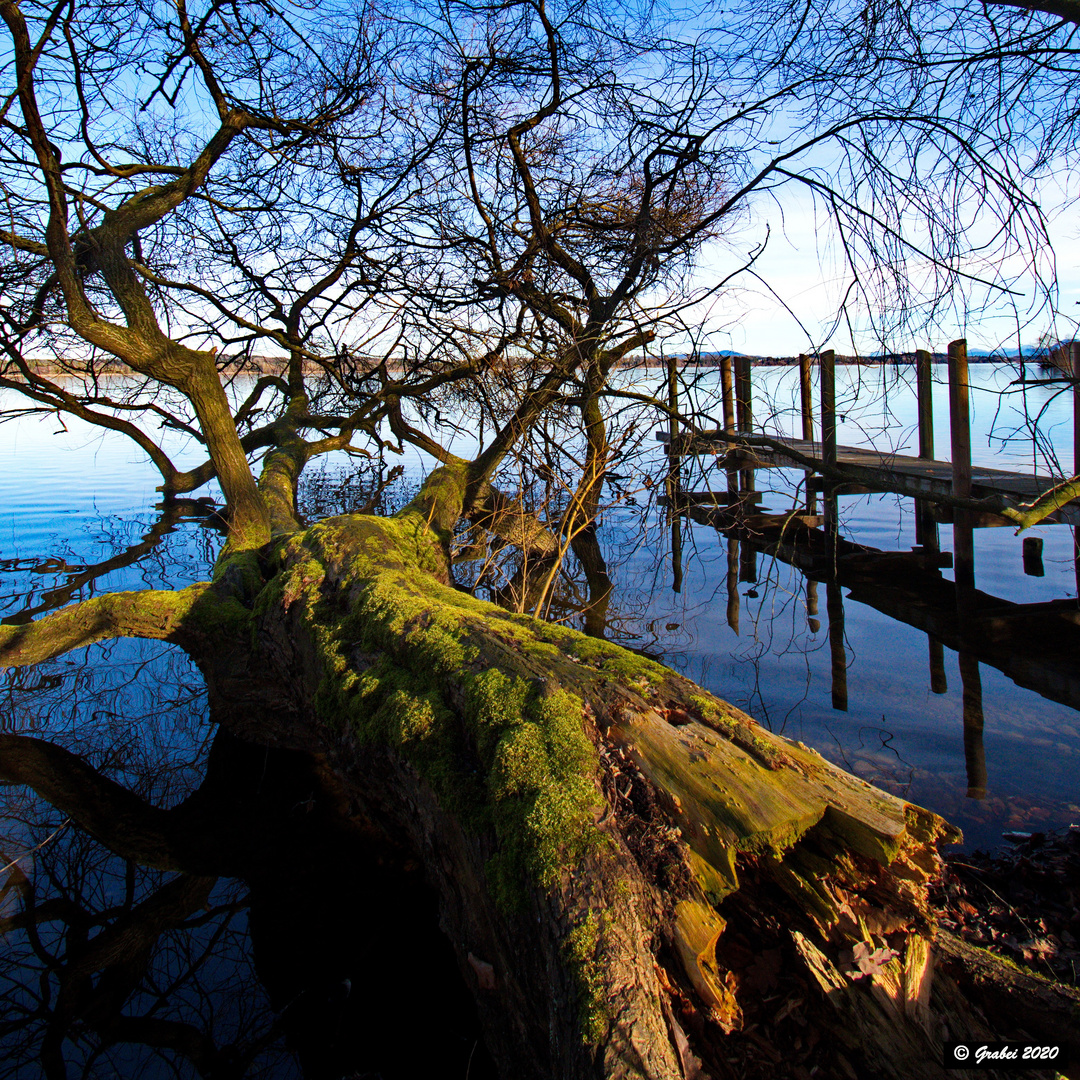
613 848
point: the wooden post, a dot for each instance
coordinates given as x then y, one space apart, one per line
924 389
744 411
744 408
960 437
806 398
674 438
806 401
1074 362
926 530
727 392
834 606
827 364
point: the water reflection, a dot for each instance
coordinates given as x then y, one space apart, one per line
216 914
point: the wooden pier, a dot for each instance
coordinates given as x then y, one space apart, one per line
854 470
1034 644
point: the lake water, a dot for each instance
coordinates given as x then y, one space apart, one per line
76 511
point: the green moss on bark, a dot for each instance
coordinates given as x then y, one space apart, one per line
581 949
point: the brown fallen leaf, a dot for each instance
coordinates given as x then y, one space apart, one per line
485 973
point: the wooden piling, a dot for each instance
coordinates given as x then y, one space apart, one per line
727 394
926 530
960 438
827 363
806 401
673 483
806 398
1074 363
744 412
744 408
924 388
1033 556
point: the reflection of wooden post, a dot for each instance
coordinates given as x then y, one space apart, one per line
834 605
812 621
674 484
939 684
676 553
974 752
1074 360
960 437
748 563
926 533
727 393
733 583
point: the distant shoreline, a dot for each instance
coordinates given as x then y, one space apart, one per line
275 366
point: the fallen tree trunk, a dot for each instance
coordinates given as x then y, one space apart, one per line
637 880
613 849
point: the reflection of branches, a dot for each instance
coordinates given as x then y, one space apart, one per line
172 513
108 965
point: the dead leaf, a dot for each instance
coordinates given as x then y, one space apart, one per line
485 973
868 959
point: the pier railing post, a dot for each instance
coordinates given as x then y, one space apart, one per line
727 394
806 401
960 437
827 364
924 389
926 533
1074 364
806 398
744 411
